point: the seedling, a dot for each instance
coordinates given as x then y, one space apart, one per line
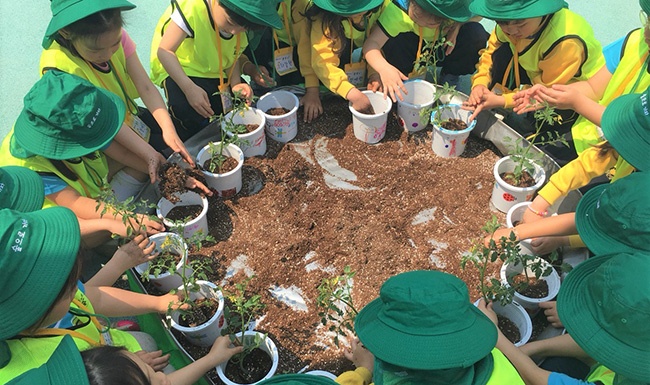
166 261
429 59
436 109
335 303
125 210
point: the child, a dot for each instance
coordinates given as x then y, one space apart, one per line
40 267
423 330
195 55
65 121
534 42
604 304
338 27
401 30
291 47
86 38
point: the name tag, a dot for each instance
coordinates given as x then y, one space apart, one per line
283 58
138 126
356 73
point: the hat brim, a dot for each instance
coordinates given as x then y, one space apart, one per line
297 379
361 6
596 238
66 366
61 148
426 352
77 12
572 307
32 192
624 133
459 11
270 18
529 10
58 253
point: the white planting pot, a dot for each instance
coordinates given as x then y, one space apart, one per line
205 334
252 143
504 196
446 143
532 304
322 373
200 223
168 280
371 128
419 96
515 215
227 184
281 128
517 314
267 345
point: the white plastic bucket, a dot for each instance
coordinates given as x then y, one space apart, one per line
200 223
515 215
205 334
517 314
281 128
322 373
532 304
227 184
168 280
372 128
252 143
504 196
446 143
267 345
420 96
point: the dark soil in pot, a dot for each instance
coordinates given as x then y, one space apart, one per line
277 111
228 165
370 110
184 213
526 179
172 180
454 124
509 329
251 127
536 288
200 313
256 365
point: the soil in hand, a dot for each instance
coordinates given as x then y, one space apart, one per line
172 181
526 179
509 329
256 365
228 165
454 124
536 288
368 110
276 111
200 313
251 127
184 213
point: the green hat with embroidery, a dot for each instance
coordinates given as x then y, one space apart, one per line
604 304
457 10
65 116
424 320
66 12
515 9
626 125
39 251
262 12
645 5
347 7
297 379
615 217
65 366
21 189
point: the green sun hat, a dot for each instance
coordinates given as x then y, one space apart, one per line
604 304
65 366
66 12
645 5
347 7
615 217
297 379
424 320
457 10
262 12
626 125
21 189
40 249
515 9
65 116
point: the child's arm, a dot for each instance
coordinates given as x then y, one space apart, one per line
313 107
131 150
363 360
563 224
391 77
196 96
236 83
114 302
132 254
220 352
559 346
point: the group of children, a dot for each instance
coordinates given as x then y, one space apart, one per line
81 132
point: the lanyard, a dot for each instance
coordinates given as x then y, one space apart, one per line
286 26
640 68
238 37
130 103
366 31
507 75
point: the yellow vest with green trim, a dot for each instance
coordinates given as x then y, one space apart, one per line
563 24
359 37
601 374
283 34
585 133
61 59
503 372
198 53
92 170
395 21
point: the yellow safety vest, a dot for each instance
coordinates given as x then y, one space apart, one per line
602 375
503 372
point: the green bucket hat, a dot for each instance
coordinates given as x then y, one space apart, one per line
66 12
21 189
65 116
604 304
626 125
615 217
297 379
457 10
645 5
40 249
515 9
424 320
347 7
262 12
65 366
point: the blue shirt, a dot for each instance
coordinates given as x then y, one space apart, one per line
612 53
563 379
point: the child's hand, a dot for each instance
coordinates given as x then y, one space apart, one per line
312 104
550 311
155 162
374 83
192 183
393 83
136 252
561 96
358 354
539 205
263 78
359 100
153 226
545 245
451 34
222 350
244 90
528 99
487 309
154 359
500 233
176 144
199 100
170 301
481 98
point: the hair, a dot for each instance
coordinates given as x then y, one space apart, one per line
109 365
90 27
604 148
242 21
